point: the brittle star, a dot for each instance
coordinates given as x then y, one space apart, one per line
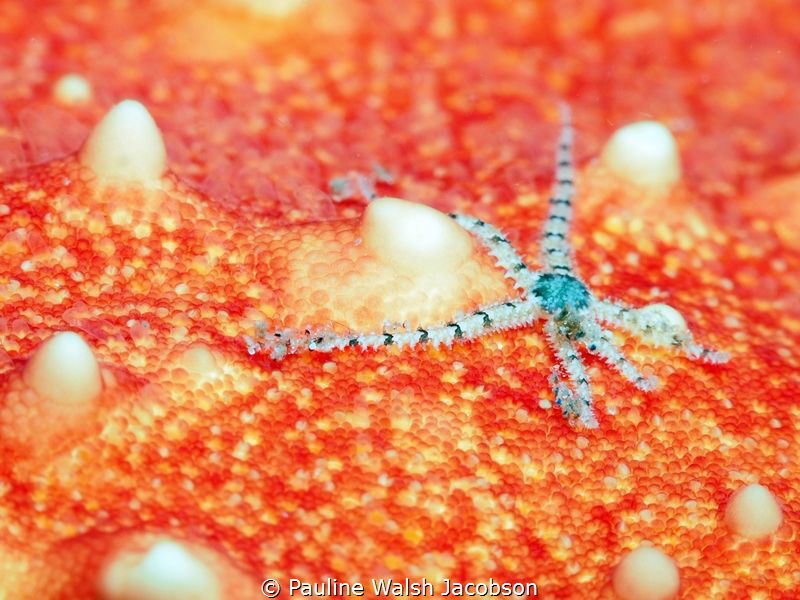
572 314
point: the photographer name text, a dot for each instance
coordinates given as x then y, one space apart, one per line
398 588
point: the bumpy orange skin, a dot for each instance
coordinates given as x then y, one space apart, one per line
423 462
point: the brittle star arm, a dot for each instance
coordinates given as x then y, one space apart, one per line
488 319
501 249
555 248
658 325
577 401
597 340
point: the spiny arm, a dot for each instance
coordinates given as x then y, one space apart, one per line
501 249
597 340
575 401
659 325
495 317
556 250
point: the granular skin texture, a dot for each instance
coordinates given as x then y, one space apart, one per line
438 463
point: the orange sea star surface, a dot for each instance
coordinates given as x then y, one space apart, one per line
159 433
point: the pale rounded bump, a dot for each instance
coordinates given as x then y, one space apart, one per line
165 571
662 316
271 8
64 371
414 238
646 574
199 359
126 144
72 90
643 153
753 512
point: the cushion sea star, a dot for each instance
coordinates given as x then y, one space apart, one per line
136 432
